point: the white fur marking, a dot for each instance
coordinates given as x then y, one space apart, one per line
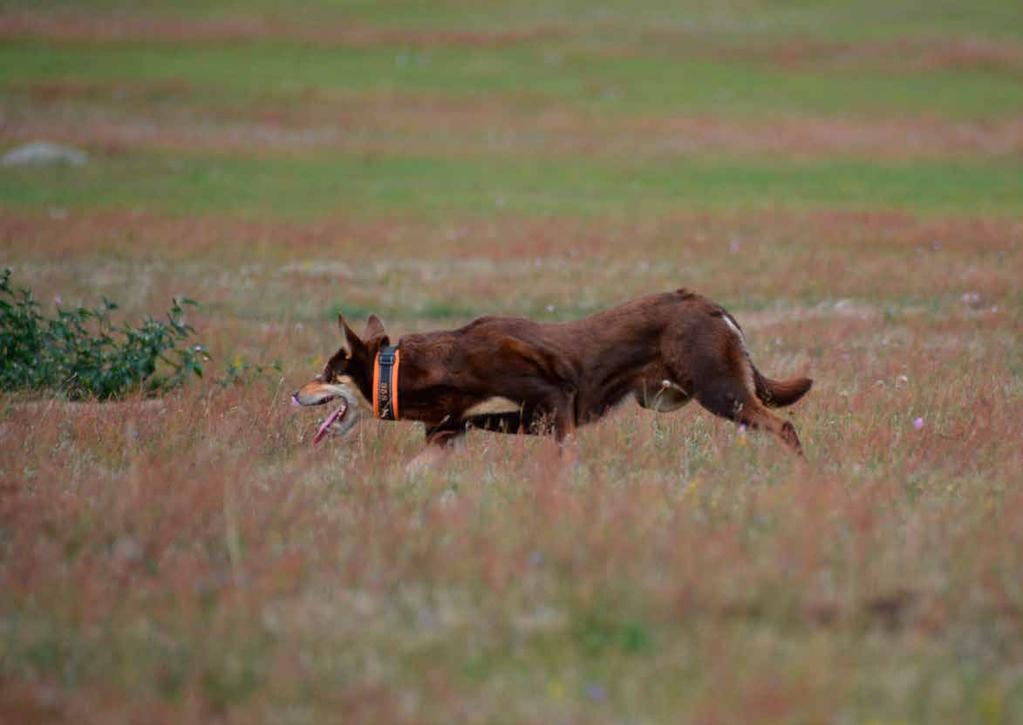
326 392
347 382
737 331
670 396
745 351
492 406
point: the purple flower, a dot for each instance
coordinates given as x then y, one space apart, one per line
918 423
596 692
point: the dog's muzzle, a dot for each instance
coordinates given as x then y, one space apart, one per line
341 419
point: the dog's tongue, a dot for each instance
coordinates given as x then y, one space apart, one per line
330 420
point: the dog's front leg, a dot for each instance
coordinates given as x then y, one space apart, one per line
439 445
564 425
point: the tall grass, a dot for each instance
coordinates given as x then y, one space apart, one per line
200 555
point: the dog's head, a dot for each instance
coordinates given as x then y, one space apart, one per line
347 377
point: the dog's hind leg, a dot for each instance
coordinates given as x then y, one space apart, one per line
711 360
725 387
758 416
730 399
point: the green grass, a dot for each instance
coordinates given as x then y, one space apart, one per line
734 18
642 80
345 185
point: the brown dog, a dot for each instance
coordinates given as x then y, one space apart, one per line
513 375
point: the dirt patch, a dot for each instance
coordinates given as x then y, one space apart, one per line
900 54
892 138
63 232
824 265
918 54
107 116
70 26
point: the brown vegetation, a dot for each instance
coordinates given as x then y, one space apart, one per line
125 117
71 26
200 550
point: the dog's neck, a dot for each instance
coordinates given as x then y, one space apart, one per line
386 366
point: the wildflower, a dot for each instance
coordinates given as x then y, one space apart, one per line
596 692
918 423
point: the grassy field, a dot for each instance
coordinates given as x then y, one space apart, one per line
847 178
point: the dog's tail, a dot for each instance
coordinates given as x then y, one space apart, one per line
772 393
779 393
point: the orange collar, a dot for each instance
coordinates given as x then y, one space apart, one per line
385 382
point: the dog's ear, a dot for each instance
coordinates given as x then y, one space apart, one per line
375 331
337 364
356 347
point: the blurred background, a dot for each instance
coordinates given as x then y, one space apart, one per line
621 141
325 133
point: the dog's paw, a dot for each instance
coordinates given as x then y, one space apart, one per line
427 460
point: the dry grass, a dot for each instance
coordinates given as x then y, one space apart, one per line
123 118
197 553
454 268
71 26
196 558
900 54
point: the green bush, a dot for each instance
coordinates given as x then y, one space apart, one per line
82 353
242 371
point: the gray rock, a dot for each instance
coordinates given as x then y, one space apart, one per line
42 153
